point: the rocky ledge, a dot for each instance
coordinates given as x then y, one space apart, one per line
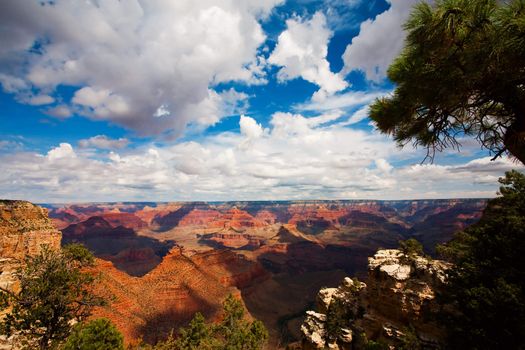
398 301
24 229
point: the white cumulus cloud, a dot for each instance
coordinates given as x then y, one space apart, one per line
296 157
301 52
129 58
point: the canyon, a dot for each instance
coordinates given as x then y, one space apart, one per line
161 262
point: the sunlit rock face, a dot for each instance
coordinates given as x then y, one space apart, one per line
166 298
24 230
400 292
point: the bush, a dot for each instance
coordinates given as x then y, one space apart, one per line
338 316
411 247
232 333
99 334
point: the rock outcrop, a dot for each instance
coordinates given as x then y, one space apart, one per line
398 298
24 229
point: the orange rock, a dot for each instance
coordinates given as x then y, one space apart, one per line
168 296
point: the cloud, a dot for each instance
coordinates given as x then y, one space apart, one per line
296 157
301 52
11 84
59 111
379 41
347 100
63 151
132 59
103 142
250 128
357 116
38 100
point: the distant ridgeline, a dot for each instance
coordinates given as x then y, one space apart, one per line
110 229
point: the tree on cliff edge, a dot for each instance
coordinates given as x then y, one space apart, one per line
487 283
54 291
462 72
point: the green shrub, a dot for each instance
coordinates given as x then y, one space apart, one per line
411 247
99 334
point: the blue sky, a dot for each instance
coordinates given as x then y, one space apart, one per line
210 100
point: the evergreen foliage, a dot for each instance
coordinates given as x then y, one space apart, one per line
410 340
462 72
195 336
54 291
411 247
99 334
232 333
487 284
338 316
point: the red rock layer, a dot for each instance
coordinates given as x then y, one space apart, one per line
236 219
266 216
313 214
168 296
95 225
199 217
128 220
148 214
235 240
24 229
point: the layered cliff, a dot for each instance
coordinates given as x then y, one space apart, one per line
397 302
166 298
24 229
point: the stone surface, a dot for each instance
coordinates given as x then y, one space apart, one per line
400 291
24 229
167 297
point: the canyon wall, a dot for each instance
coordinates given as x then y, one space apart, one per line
166 298
24 229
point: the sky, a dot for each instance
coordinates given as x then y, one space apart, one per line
211 100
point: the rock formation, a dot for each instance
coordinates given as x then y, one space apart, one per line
129 252
398 298
168 296
24 229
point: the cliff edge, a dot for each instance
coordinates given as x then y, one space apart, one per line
396 305
24 229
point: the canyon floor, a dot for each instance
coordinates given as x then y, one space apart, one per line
162 262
